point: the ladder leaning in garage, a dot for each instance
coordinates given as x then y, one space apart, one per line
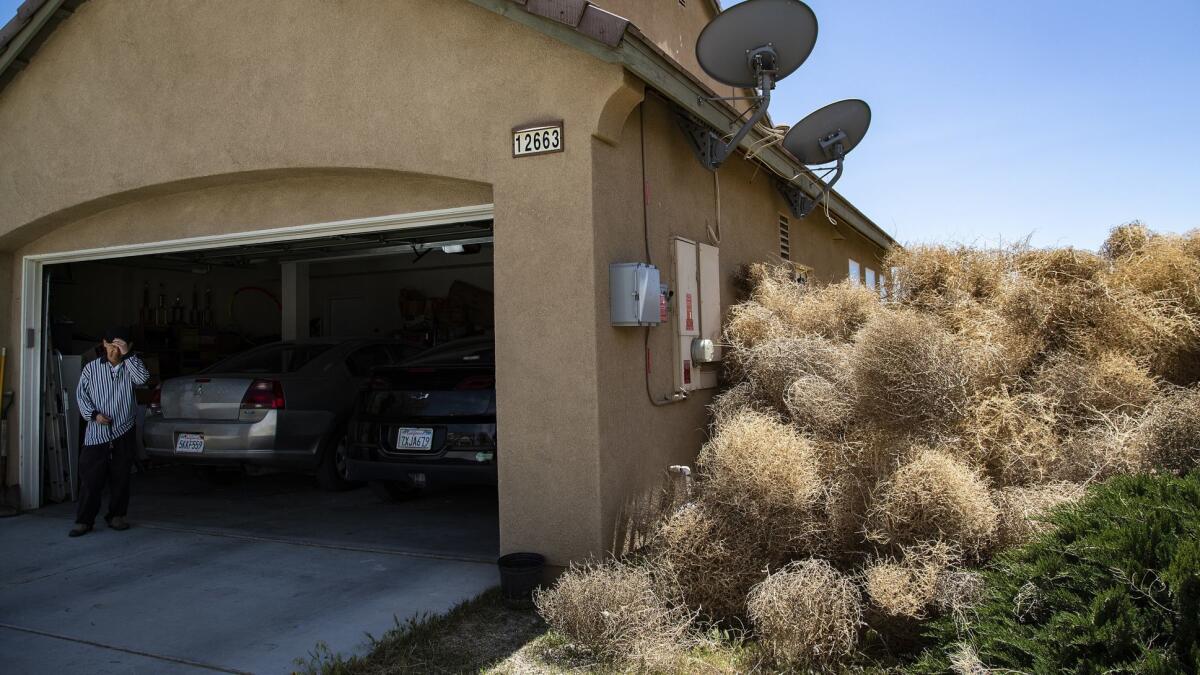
55 405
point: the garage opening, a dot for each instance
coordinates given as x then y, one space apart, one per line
340 390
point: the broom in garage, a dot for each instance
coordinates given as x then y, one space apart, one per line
5 404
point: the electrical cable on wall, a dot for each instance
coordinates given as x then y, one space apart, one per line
649 261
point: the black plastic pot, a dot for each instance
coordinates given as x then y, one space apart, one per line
520 574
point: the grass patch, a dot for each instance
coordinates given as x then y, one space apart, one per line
474 636
483 635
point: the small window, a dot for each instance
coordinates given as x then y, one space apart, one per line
870 278
855 272
785 238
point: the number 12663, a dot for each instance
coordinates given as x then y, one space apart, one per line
537 141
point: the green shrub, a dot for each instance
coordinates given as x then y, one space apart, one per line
1114 588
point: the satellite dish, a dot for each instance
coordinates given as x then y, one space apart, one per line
757 36
829 134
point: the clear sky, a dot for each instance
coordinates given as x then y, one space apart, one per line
997 120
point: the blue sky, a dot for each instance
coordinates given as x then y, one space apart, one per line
996 120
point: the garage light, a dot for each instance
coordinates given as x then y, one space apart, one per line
453 248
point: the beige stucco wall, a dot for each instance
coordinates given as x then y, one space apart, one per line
639 440
144 121
673 28
150 120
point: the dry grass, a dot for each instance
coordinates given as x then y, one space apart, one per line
618 612
910 374
1111 446
1125 240
758 470
907 586
1088 316
773 365
750 323
938 277
934 497
906 442
710 564
998 351
1023 509
1013 437
1169 434
834 312
965 661
1084 390
807 613
820 405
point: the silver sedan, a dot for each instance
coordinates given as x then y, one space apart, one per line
281 405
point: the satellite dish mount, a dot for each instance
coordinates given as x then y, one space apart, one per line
763 62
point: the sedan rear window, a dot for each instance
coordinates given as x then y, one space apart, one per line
271 359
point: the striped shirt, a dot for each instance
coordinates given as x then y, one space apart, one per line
107 389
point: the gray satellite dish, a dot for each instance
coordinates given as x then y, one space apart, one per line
757 36
830 133
755 44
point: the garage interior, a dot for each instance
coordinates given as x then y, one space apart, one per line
189 309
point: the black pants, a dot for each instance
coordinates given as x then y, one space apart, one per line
107 463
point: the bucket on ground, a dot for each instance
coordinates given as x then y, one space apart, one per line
520 574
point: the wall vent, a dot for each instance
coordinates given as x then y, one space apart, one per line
785 238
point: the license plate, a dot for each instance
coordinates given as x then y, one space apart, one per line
190 443
414 439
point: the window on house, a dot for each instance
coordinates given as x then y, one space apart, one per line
855 272
785 238
870 277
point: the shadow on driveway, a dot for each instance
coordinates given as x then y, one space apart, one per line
239 578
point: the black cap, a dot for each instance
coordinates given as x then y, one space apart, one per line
117 332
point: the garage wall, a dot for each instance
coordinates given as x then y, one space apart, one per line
379 281
223 116
640 440
96 295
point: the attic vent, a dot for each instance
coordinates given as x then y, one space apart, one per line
785 242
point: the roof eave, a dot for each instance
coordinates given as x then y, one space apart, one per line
638 54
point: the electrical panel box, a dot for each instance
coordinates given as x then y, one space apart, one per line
698 315
634 294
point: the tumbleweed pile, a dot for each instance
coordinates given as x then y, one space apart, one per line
868 452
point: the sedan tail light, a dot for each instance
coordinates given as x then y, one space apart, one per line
155 405
264 395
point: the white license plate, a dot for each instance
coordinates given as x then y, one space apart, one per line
189 443
414 439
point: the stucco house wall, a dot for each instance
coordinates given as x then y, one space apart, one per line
143 121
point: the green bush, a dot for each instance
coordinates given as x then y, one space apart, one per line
1114 588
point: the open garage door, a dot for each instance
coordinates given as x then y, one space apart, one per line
288 375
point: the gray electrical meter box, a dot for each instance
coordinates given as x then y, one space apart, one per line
634 294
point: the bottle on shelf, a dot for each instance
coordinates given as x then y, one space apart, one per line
207 316
145 313
194 312
160 314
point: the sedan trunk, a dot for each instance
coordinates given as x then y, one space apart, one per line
204 398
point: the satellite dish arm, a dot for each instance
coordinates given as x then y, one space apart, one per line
812 204
722 151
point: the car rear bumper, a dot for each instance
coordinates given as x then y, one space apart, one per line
292 441
428 473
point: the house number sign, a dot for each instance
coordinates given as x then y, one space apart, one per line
537 140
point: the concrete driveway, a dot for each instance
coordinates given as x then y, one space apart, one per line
240 579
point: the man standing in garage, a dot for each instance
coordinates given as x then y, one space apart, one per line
106 401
